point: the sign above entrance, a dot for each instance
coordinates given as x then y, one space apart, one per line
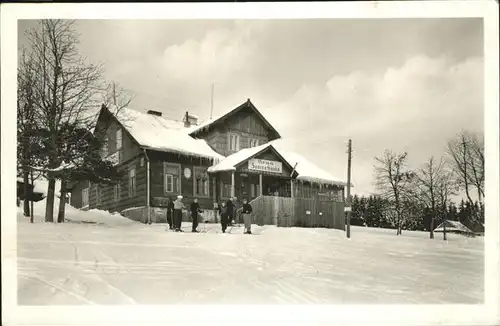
265 165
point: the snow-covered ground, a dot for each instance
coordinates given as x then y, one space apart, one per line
123 262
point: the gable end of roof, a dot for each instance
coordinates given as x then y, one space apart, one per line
248 104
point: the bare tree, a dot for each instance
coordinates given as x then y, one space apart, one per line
65 88
25 120
466 153
435 186
117 96
392 179
447 187
114 98
476 163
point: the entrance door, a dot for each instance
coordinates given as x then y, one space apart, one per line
243 187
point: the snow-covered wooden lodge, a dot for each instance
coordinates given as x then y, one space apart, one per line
234 155
453 227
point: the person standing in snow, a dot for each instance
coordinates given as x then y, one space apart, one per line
178 207
237 210
223 216
247 217
230 210
216 210
170 213
195 209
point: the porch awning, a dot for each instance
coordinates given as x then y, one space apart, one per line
306 170
230 162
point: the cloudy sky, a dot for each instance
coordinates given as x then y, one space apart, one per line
400 84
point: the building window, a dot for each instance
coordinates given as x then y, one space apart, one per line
172 179
85 197
118 139
254 190
234 142
201 182
117 192
104 150
131 182
98 194
142 161
225 190
254 142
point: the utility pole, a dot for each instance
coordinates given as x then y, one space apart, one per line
114 93
348 207
212 102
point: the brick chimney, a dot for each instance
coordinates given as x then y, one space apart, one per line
190 119
153 112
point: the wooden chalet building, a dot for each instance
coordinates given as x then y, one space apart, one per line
233 155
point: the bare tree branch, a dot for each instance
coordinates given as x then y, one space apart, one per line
466 156
64 86
393 180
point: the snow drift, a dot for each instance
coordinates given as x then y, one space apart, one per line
74 215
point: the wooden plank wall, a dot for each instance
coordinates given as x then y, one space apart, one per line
298 212
108 202
245 124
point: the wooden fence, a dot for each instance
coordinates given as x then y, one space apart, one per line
299 212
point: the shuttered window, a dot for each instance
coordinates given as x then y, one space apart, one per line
201 182
234 142
117 192
131 182
225 190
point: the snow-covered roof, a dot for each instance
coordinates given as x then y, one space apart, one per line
158 133
229 163
202 125
42 184
452 226
306 170
247 104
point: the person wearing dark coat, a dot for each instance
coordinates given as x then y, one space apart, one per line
195 209
170 213
223 216
230 210
247 217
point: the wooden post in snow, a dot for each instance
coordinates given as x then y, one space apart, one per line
348 227
260 184
232 184
291 179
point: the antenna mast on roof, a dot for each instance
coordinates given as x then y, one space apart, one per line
212 101
114 93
